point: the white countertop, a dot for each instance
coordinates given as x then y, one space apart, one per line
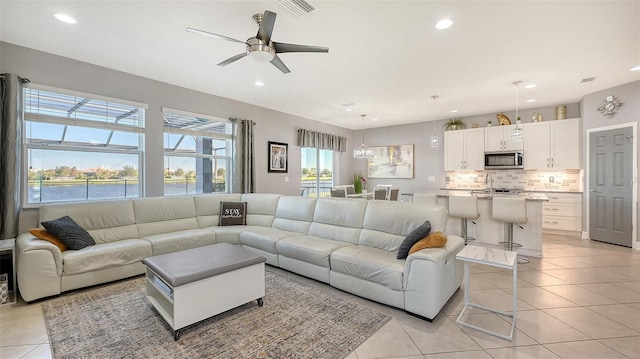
529 196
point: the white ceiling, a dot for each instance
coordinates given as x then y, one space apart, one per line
386 57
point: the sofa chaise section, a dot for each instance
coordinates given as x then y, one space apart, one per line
371 269
337 223
170 224
43 270
292 218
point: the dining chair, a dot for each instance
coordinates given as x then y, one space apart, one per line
380 193
338 193
393 194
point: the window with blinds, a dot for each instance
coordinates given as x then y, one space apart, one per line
80 146
197 153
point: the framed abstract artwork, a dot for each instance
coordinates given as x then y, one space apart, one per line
394 161
278 157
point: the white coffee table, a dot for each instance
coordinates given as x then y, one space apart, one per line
192 285
496 258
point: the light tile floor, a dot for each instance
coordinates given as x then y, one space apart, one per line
582 300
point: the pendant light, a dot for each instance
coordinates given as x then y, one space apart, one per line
516 133
363 152
435 140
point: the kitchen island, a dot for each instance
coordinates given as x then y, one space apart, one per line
489 232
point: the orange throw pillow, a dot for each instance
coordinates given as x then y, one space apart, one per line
433 240
44 235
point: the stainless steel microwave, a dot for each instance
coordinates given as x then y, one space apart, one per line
503 160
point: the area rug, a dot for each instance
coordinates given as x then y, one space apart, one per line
296 321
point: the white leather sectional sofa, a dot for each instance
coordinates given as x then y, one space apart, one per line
350 244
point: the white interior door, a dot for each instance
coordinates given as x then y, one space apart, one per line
611 186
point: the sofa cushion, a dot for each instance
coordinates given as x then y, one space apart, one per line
372 264
105 255
261 208
208 207
413 237
177 241
310 249
264 238
338 219
233 214
295 213
157 215
46 236
69 232
106 221
433 240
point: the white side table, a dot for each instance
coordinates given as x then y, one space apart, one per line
492 257
9 246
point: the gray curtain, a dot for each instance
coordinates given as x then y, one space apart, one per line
323 141
243 157
11 116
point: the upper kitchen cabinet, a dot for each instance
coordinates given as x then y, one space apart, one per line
552 145
500 138
464 150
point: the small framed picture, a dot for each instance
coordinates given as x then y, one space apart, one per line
278 157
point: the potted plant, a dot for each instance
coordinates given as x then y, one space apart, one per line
454 124
489 124
358 182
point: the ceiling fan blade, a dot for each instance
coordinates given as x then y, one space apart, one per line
280 65
284 47
232 59
266 26
210 34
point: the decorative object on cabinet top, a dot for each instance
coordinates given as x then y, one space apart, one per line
610 106
503 119
454 124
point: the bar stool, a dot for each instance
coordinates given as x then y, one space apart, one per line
510 210
465 208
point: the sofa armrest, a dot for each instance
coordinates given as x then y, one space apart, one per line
39 267
431 276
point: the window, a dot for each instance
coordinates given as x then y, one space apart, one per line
197 153
81 147
317 172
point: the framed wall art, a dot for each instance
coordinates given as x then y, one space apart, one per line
394 161
278 157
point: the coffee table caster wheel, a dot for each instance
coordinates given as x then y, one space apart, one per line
260 302
176 335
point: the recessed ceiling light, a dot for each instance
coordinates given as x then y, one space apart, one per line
444 24
530 86
348 109
374 119
635 68
454 111
531 100
259 83
66 18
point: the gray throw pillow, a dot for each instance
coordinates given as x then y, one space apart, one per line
233 213
413 238
69 232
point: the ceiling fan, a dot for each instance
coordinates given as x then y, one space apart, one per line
260 46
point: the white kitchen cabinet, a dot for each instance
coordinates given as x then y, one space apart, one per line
464 150
563 211
552 145
500 138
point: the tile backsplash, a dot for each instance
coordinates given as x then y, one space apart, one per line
565 181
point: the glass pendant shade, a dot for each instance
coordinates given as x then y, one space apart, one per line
363 152
434 140
517 132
